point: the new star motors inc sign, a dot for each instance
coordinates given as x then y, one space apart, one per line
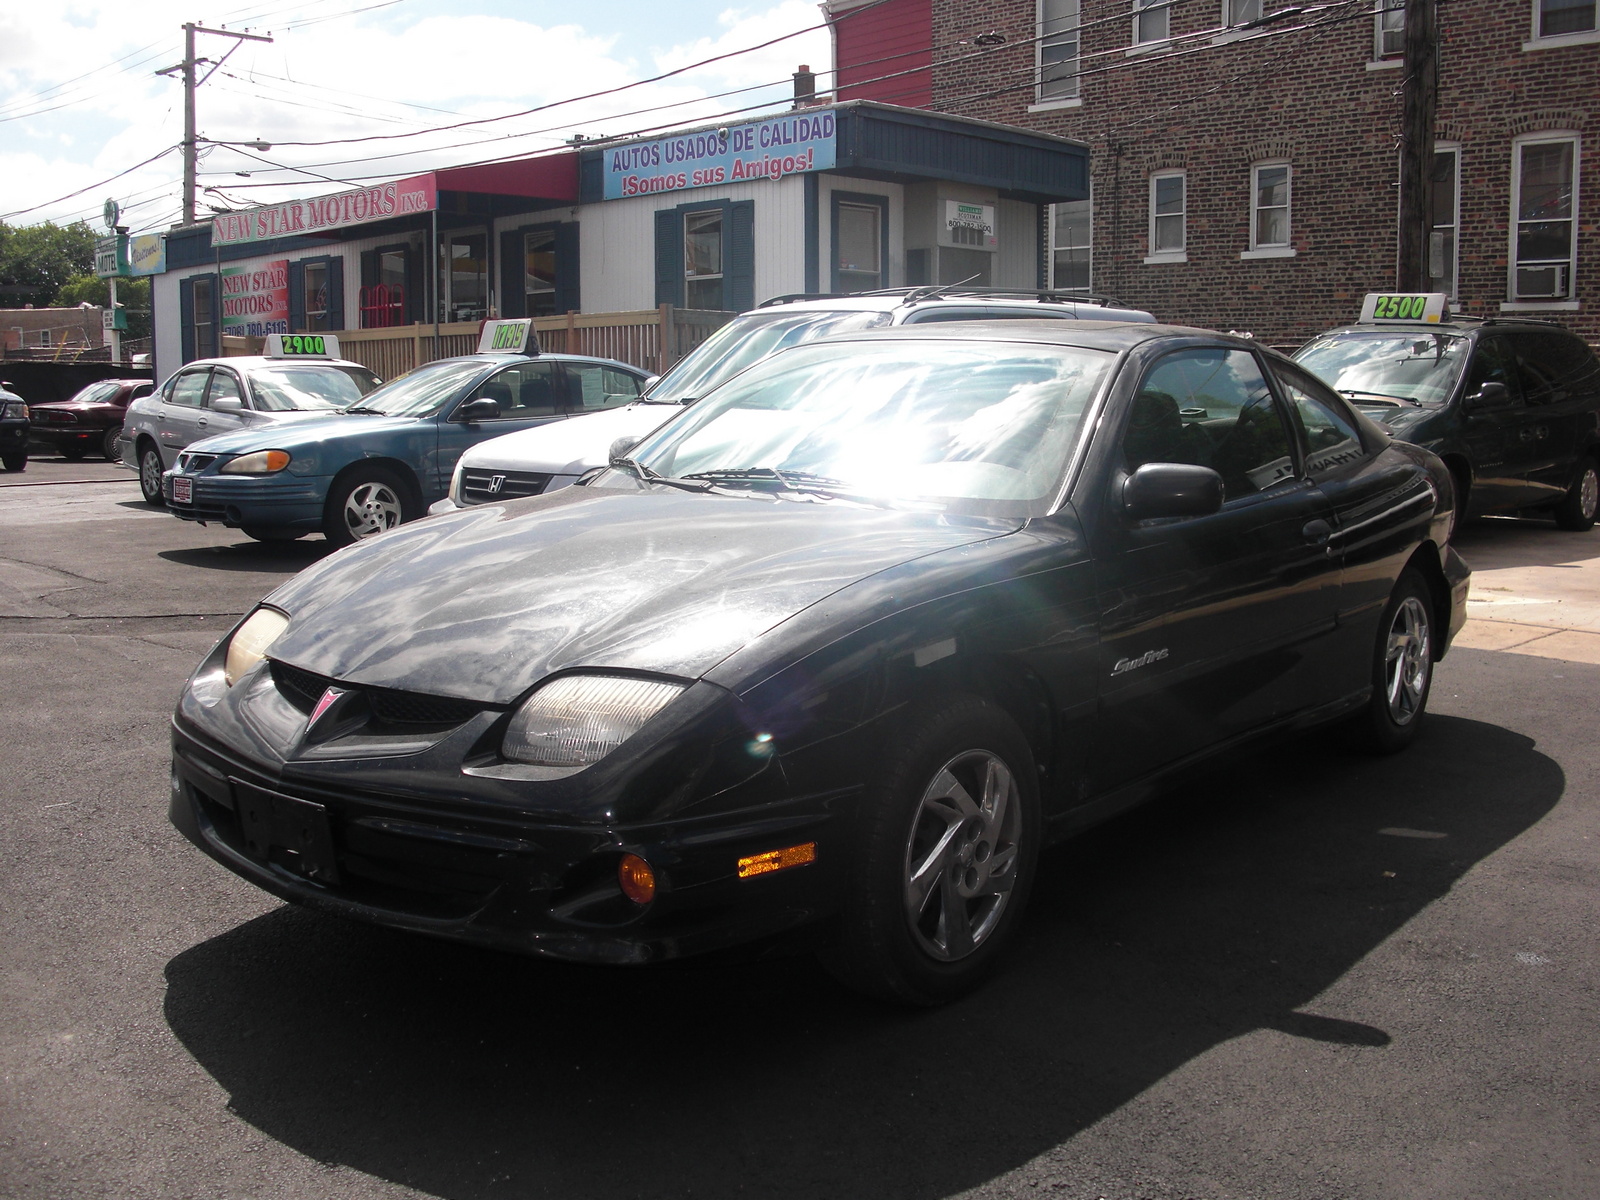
416 195
769 149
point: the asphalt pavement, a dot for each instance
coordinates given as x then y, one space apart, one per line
1302 974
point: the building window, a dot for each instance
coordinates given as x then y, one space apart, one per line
1442 254
1167 211
1070 253
858 238
467 267
539 272
1389 34
1058 49
1269 206
1153 25
702 259
316 296
1557 17
1544 203
384 273
1240 12
205 332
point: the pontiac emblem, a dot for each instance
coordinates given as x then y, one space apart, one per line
496 482
329 698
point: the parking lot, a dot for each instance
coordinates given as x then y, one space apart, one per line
1301 974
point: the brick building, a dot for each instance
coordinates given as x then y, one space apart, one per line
49 330
1244 154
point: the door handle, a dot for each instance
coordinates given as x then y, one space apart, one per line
1317 532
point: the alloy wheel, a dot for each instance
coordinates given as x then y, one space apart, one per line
370 509
1408 661
961 856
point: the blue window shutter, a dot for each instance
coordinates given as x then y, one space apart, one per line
336 292
513 292
297 297
567 291
739 294
186 318
669 257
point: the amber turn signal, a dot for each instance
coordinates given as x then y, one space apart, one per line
637 878
778 860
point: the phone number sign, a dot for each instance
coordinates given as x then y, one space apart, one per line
769 149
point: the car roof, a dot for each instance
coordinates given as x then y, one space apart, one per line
910 299
1114 336
246 361
488 359
1461 328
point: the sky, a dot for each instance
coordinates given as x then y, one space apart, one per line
80 100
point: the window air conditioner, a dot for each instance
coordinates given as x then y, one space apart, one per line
1545 282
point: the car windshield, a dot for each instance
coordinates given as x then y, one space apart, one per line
97 392
976 427
1402 366
307 387
422 392
749 339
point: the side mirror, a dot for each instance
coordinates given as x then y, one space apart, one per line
227 404
649 382
482 409
619 449
1490 395
1171 490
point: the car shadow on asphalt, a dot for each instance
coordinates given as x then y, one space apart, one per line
251 555
1223 908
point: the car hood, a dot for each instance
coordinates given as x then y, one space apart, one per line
568 447
484 604
1399 420
297 431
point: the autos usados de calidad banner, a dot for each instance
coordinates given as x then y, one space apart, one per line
768 149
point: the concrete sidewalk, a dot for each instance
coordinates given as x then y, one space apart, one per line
1535 589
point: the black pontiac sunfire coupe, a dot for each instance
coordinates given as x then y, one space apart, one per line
841 647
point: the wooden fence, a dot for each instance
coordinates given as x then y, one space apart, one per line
652 338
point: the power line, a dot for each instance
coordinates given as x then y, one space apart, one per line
35 208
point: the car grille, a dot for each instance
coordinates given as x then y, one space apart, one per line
389 706
195 462
479 486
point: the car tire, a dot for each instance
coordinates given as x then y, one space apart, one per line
1402 668
948 843
364 503
15 462
1576 512
150 469
111 444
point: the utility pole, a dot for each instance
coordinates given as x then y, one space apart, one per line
190 84
1421 93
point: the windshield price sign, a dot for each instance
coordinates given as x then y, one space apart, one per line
302 345
1403 306
508 337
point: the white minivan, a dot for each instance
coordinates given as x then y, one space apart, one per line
553 456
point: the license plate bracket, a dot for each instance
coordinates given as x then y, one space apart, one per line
286 830
182 490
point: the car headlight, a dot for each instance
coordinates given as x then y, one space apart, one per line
15 410
262 462
579 719
250 641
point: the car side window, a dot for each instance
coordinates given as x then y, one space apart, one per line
592 387
525 390
189 388
1494 363
1327 432
140 392
224 386
1211 408
1554 367
997 313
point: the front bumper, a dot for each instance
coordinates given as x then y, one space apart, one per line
273 502
14 436
61 436
511 880
1459 578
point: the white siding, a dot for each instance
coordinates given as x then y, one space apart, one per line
617 239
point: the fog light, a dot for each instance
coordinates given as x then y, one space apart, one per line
637 878
778 860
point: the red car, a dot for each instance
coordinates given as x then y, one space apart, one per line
89 422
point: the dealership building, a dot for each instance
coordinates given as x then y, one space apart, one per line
823 198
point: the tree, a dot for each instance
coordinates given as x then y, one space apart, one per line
132 294
43 257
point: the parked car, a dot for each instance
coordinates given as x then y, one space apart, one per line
296 379
537 461
838 649
1511 405
14 426
384 460
91 421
